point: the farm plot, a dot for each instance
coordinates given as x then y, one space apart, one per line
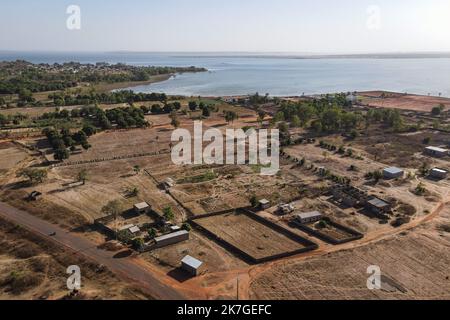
330 231
10 155
253 239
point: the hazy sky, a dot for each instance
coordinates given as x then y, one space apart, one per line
320 26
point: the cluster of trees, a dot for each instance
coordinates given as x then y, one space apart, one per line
34 175
18 75
15 119
437 110
122 96
95 117
206 109
230 116
61 141
165 109
330 114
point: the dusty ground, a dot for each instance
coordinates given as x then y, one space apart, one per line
305 276
32 268
415 264
402 101
250 236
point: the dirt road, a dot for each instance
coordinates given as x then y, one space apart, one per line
125 267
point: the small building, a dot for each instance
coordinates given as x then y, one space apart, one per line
192 265
134 230
393 173
308 217
175 228
172 238
141 208
285 208
378 206
167 184
264 204
436 152
35 195
438 173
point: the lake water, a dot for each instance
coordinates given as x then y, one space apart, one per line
276 75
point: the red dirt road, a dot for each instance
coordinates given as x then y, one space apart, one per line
126 268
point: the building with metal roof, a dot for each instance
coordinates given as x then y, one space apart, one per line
191 265
393 173
308 217
436 152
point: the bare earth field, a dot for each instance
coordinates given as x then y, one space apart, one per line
33 268
414 265
402 101
250 236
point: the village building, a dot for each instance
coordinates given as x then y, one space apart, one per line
172 238
378 206
285 209
393 173
193 266
309 217
436 152
438 173
141 208
264 204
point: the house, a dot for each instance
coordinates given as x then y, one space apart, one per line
378 206
308 217
393 173
285 208
438 173
264 204
141 208
172 238
134 230
192 265
175 228
436 152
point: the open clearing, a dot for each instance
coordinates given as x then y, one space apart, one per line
401 101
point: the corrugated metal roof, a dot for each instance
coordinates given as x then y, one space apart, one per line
306 215
142 205
376 202
192 262
437 149
171 235
393 170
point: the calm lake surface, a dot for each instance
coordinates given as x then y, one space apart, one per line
276 75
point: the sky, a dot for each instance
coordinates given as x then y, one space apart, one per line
319 26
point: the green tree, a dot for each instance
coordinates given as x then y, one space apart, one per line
136 169
152 233
82 176
174 117
168 213
33 175
186 226
296 122
113 208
